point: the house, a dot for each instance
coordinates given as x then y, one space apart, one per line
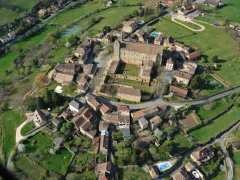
38 117
93 102
153 171
89 69
189 122
143 123
168 3
82 83
193 171
63 79
84 122
129 93
57 122
180 175
147 113
215 3
182 77
169 65
155 122
179 91
193 55
129 26
189 68
202 155
64 73
105 171
74 106
105 108
80 52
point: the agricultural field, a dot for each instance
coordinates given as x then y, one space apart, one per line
37 148
12 9
208 42
9 121
204 133
211 110
229 12
236 159
133 173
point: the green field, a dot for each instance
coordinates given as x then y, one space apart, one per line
128 69
212 109
27 128
212 42
30 168
9 121
132 173
229 12
12 9
39 145
205 133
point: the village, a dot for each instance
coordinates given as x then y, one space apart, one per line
127 98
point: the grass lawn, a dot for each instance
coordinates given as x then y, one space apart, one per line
136 84
205 133
236 158
11 9
209 42
236 172
39 145
29 167
27 128
129 69
212 109
220 176
9 121
132 173
229 12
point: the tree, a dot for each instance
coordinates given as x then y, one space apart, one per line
215 59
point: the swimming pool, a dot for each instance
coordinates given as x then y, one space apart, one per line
163 166
155 34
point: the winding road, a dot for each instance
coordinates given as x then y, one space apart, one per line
178 104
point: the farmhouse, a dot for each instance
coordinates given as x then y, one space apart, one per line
179 91
38 117
182 77
64 73
202 155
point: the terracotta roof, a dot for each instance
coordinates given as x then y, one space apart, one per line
143 48
179 91
66 68
63 78
194 55
128 91
183 75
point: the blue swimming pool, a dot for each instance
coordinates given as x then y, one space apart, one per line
155 34
163 166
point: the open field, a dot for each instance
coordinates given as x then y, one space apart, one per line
41 146
229 12
204 134
128 69
132 173
9 121
11 9
212 109
27 128
30 168
212 42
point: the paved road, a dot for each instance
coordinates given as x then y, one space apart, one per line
220 140
178 104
